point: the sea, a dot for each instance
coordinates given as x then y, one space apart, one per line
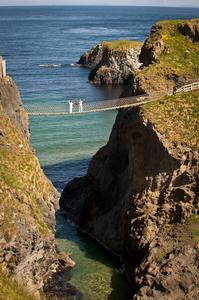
41 45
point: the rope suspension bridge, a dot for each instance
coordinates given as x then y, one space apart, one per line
88 107
98 106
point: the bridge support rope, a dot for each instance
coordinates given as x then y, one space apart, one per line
105 105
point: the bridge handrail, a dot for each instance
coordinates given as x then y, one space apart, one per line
63 107
188 87
105 105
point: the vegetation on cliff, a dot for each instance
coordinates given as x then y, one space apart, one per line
121 45
11 290
170 57
177 117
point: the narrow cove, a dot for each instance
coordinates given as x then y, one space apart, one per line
97 273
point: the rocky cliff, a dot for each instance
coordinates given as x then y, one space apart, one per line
12 106
140 197
28 200
168 59
112 62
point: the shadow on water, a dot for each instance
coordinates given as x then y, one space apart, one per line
96 273
84 242
63 172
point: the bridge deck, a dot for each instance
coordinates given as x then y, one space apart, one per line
105 105
88 107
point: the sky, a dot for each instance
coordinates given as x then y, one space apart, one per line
190 3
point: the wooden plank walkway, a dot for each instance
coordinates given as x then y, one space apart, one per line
99 106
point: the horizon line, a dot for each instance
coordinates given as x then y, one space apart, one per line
95 5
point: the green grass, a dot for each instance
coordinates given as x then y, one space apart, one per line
11 290
121 45
177 117
161 254
193 226
180 55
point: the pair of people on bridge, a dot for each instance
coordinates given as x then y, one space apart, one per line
80 106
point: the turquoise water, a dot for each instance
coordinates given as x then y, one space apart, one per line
96 274
65 144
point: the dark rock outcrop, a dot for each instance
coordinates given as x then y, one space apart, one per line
191 30
93 57
153 46
137 189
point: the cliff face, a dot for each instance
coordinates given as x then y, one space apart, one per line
112 62
12 105
139 194
27 201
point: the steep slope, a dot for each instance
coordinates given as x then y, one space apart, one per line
27 205
12 105
140 197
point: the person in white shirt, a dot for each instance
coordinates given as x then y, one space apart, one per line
70 107
80 105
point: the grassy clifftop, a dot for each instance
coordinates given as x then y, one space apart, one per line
173 43
120 45
177 117
170 56
10 290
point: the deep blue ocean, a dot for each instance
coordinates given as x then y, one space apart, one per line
31 38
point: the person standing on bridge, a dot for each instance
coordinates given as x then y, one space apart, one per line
80 106
70 107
